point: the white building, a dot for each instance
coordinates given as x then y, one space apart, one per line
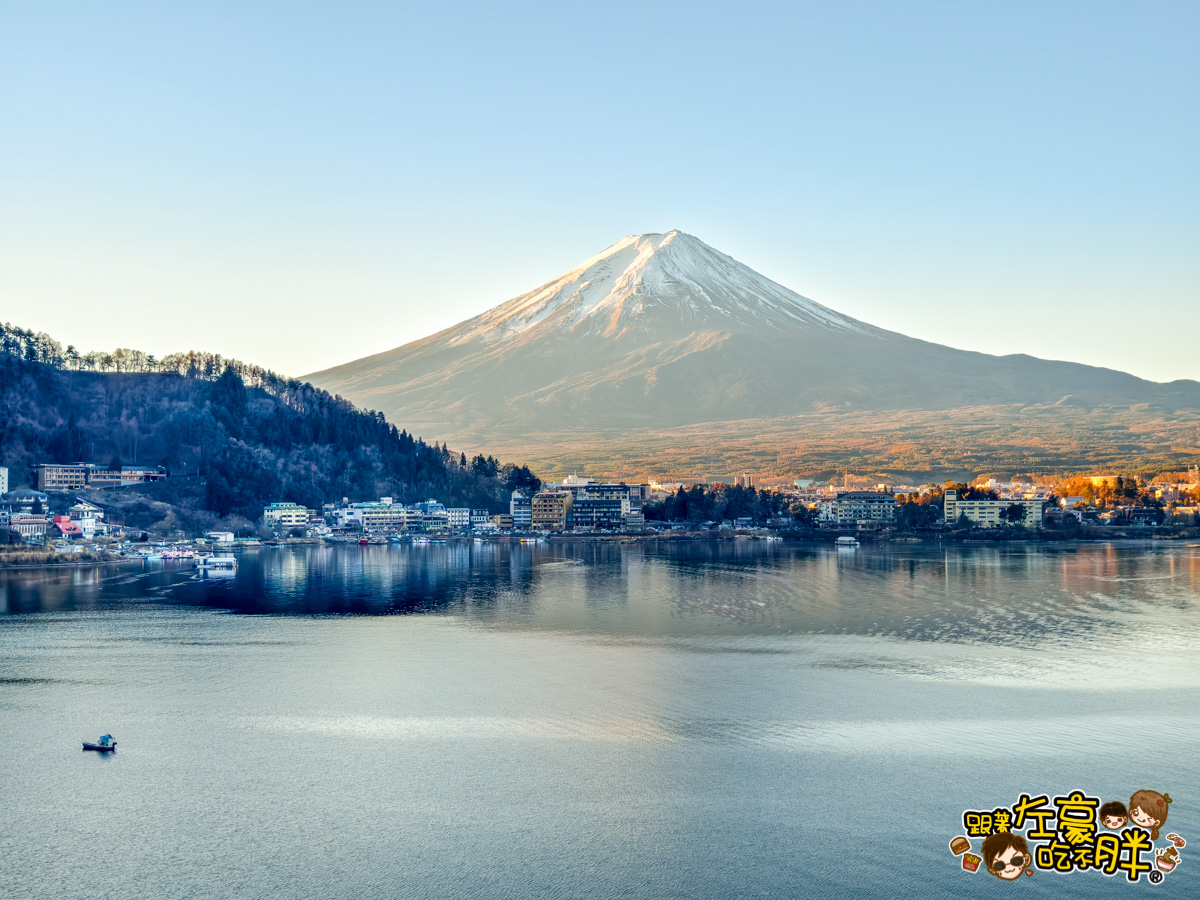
285 515
460 516
31 528
986 513
480 517
3 479
374 515
858 508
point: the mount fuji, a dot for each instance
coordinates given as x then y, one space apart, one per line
661 345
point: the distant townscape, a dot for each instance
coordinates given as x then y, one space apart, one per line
234 453
63 512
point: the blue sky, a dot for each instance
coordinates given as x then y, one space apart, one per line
302 184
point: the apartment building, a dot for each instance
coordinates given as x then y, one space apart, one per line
986 513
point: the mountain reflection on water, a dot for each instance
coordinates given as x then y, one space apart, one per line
1017 595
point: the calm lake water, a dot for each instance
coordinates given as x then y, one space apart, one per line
687 720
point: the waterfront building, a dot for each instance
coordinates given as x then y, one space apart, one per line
520 508
460 516
600 506
551 510
503 521
31 528
635 518
986 513
429 516
285 515
381 515
869 508
3 480
480 518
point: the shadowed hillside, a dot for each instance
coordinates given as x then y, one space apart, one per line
234 437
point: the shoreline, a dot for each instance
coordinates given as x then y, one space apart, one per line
73 561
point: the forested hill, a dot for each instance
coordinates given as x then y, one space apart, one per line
239 435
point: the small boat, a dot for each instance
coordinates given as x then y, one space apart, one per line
226 563
845 541
104 744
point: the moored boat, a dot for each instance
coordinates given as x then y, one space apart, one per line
226 563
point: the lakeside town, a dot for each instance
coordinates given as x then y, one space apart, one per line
63 512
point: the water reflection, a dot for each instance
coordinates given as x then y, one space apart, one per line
1004 595
587 720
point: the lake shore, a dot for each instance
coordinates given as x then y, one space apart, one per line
35 558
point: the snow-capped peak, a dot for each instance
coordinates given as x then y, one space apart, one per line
654 282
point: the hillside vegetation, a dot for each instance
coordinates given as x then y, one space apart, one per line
233 436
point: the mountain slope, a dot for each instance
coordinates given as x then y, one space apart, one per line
661 330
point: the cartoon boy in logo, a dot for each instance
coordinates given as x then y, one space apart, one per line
1006 854
1149 810
1113 815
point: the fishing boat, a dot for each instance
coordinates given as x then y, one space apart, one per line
846 542
104 744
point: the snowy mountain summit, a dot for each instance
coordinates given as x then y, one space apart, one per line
661 331
653 284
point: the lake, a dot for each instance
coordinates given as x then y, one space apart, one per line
591 720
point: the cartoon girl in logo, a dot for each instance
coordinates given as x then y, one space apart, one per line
1149 809
1113 815
1006 854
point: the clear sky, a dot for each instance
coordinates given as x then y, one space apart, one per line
301 184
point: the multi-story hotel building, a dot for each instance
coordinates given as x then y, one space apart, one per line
858 508
986 513
77 476
551 510
285 515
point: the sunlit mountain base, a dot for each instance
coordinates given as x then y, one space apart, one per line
663 355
